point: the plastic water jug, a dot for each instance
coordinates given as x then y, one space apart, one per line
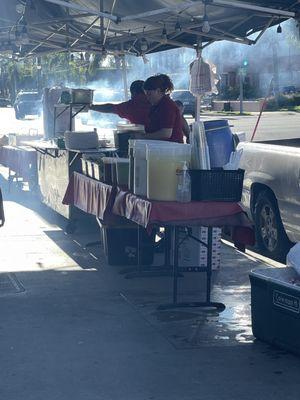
220 142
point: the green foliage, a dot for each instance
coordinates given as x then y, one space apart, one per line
230 93
233 92
289 102
56 68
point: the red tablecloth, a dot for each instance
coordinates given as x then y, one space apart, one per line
107 202
91 196
22 160
201 213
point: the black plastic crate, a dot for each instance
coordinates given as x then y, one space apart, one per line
217 184
121 245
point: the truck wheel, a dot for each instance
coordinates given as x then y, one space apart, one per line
270 234
19 115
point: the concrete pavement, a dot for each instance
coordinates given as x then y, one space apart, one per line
72 327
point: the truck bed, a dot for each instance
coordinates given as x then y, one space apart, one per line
282 142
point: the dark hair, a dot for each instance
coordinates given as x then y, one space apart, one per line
160 81
137 87
179 103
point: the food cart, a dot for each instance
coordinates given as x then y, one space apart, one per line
138 30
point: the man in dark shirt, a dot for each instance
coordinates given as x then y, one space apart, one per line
135 110
165 121
185 125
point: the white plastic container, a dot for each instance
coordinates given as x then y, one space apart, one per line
293 258
162 164
140 169
139 151
122 169
183 194
81 140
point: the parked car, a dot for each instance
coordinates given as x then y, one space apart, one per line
187 99
289 90
4 102
27 103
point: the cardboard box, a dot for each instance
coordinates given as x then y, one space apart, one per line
194 254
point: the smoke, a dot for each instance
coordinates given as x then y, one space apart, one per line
273 52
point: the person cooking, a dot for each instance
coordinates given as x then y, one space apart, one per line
165 121
136 110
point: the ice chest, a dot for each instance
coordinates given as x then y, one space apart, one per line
275 307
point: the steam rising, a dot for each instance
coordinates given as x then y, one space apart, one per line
272 48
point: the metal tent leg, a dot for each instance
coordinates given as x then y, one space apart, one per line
208 270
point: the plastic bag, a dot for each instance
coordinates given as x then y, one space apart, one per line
203 77
293 258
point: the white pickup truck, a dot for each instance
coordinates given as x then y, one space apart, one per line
271 193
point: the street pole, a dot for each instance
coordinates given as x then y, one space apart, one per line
124 74
241 90
2 80
276 71
39 70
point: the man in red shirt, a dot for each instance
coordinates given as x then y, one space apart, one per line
135 110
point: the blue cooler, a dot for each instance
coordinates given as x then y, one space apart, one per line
220 142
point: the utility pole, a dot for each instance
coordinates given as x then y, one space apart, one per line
242 73
39 71
124 75
241 91
276 70
2 80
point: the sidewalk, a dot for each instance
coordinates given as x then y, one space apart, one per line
72 327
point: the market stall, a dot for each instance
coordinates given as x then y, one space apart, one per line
109 203
55 166
21 162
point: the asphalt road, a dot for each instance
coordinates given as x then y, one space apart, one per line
273 125
9 124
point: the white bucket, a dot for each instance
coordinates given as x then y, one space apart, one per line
162 164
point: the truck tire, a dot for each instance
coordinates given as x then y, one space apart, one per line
19 115
270 234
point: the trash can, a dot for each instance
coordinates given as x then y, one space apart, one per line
275 307
227 106
120 243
